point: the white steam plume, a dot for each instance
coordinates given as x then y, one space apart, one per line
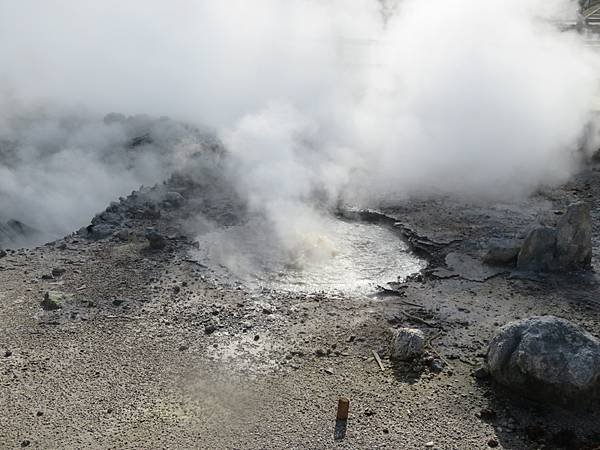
326 100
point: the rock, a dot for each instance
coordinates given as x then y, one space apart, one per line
157 240
97 231
548 359
574 238
537 252
436 365
568 247
173 199
407 343
210 329
53 300
108 217
502 252
123 235
487 414
58 271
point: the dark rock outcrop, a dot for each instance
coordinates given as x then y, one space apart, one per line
574 238
566 247
537 252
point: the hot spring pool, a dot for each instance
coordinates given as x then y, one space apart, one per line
345 257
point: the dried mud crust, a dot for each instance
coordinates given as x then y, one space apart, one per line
152 350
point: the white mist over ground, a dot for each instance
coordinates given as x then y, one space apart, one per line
359 102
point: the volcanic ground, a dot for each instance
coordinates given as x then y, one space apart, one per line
153 347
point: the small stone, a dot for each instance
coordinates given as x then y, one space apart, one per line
328 371
257 337
436 365
117 302
407 343
210 329
157 241
174 199
429 444
53 300
47 276
183 347
58 271
123 235
493 443
7 353
26 443
487 414
39 413
2 253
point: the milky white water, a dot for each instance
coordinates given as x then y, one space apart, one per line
349 257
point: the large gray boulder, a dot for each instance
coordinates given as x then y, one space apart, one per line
548 359
574 238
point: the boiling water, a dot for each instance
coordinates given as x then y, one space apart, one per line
345 257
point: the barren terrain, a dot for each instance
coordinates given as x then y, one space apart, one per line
153 350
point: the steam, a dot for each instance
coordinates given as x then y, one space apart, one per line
362 102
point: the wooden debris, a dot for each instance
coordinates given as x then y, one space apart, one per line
378 359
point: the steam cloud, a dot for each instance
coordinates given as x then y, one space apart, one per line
318 102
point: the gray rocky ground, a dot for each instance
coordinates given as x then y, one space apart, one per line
149 349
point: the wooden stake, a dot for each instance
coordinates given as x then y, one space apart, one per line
343 408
